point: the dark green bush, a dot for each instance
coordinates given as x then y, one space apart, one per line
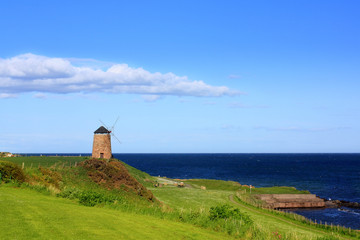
90 198
11 171
70 193
226 211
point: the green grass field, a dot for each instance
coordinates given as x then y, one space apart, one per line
26 214
32 210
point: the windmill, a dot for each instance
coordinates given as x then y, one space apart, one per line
111 130
102 141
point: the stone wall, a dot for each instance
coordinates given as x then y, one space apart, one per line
291 200
102 146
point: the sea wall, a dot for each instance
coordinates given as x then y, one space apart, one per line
277 201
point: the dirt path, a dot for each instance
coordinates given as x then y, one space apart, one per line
231 197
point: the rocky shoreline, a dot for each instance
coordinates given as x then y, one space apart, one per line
341 203
291 201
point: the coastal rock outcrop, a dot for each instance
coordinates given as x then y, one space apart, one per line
341 203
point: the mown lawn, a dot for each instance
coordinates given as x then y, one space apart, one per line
191 198
26 214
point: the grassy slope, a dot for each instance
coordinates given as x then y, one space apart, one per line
144 178
188 199
26 214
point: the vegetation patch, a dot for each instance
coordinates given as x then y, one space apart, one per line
226 212
92 198
114 175
50 177
10 171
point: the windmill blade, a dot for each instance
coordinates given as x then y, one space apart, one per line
104 125
115 137
112 128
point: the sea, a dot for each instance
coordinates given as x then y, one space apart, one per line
330 176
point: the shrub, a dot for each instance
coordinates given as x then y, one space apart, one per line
11 171
90 198
70 193
226 211
50 177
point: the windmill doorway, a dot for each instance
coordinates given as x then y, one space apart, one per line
101 155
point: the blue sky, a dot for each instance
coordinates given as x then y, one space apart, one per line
183 76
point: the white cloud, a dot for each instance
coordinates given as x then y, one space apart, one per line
34 73
7 95
40 95
150 98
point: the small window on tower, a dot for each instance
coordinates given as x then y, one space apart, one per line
101 155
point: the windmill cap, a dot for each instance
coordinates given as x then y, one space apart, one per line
101 130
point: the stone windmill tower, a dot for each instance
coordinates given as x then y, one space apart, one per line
102 143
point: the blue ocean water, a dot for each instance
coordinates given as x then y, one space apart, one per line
335 176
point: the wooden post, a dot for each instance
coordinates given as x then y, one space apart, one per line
23 165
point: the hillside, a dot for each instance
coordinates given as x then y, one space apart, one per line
55 202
